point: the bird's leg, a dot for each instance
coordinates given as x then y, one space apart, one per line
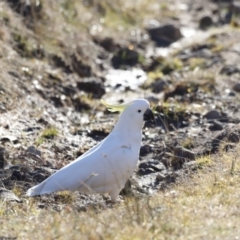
114 194
105 196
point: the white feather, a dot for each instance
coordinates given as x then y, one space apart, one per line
106 167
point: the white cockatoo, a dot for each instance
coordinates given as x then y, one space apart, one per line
106 167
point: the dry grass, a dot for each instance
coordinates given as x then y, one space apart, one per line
48 133
204 207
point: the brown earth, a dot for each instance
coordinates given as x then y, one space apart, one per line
57 60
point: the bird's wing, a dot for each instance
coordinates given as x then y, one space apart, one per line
113 167
109 163
87 152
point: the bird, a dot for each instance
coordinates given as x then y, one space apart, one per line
106 167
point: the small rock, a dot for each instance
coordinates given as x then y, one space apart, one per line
45 171
41 205
9 138
125 56
171 177
159 86
229 146
192 165
80 104
164 35
205 22
61 63
216 126
144 150
31 129
231 94
5 174
18 175
165 161
39 177
34 151
179 90
145 171
150 166
8 195
28 10
160 177
43 120
80 67
229 70
97 134
236 87
107 43
212 114
69 90
182 155
234 136
230 134
57 101
92 85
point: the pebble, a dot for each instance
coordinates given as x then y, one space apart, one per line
216 126
205 22
236 87
182 155
165 35
212 114
8 195
33 150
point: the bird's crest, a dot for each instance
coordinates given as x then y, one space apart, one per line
115 108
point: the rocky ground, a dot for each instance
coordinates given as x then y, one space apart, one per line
184 58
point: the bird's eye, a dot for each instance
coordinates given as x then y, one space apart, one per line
139 111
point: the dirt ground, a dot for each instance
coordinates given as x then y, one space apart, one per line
57 60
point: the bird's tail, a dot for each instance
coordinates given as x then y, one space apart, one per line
31 192
36 190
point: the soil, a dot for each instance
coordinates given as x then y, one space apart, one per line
186 65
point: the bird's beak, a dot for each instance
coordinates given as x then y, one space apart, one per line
148 115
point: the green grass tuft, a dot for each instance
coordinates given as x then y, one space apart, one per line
50 132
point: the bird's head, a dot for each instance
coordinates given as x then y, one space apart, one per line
136 111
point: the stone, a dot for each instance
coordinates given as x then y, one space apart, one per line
205 22
236 87
182 155
216 126
93 86
164 35
9 138
212 114
80 67
8 195
160 177
158 86
125 57
18 175
39 177
144 150
229 70
34 151
150 166
107 43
